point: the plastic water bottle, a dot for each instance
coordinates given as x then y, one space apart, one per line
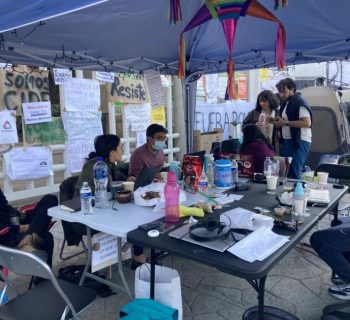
275 167
262 120
298 203
86 199
203 182
175 166
101 180
171 194
210 170
267 167
234 171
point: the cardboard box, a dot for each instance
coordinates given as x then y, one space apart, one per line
203 141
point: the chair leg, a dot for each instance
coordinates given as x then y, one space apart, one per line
74 254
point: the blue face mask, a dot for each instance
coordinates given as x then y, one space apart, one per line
159 145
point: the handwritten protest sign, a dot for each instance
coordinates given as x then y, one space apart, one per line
8 129
82 125
158 115
81 94
60 75
125 90
137 116
37 112
155 88
105 251
27 86
76 151
46 132
105 76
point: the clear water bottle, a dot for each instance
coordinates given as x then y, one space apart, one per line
210 170
298 203
262 120
86 199
267 167
234 171
171 195
275 167
101 180
203 182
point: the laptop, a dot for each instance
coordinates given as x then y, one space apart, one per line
146 176
220 245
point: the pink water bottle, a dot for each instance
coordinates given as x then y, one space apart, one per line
171 194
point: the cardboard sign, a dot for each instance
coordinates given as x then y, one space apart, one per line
126 90
8 128
137 116
17 88
81 94
105 251
28 163
37 112
45 133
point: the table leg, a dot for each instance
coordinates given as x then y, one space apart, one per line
120 267
153 271
261 297
89 255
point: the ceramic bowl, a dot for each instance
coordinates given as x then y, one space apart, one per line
123 196
279 211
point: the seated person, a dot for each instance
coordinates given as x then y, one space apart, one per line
108 147
28 232
333 247
255 144
151 153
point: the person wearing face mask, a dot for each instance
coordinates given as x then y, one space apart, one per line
151 153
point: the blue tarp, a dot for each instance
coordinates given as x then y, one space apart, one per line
135 35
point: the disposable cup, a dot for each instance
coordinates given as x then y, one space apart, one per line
271 183
128 186
322 177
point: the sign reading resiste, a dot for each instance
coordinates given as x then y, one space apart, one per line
37 112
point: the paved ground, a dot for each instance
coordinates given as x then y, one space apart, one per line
298 284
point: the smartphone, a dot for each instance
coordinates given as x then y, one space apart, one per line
150 226
164 227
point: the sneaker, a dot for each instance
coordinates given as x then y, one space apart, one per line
341 291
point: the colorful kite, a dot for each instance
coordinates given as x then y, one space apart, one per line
228 12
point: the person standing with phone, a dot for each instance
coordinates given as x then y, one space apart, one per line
295 124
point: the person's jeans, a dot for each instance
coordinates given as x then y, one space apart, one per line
333 246
299 156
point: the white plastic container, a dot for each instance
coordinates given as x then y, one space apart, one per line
223 174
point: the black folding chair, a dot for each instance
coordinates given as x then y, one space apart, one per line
52 299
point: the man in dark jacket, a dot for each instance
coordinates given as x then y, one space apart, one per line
27 232
295 123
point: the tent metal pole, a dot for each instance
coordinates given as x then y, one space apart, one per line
40 59
159 63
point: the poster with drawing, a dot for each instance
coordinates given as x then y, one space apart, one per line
8 128
28 163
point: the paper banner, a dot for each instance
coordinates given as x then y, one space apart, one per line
155 90
105 251
8 128
158 115
105 76
37 112
60 75
81 94
137 116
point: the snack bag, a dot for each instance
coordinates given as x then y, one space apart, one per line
192 169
